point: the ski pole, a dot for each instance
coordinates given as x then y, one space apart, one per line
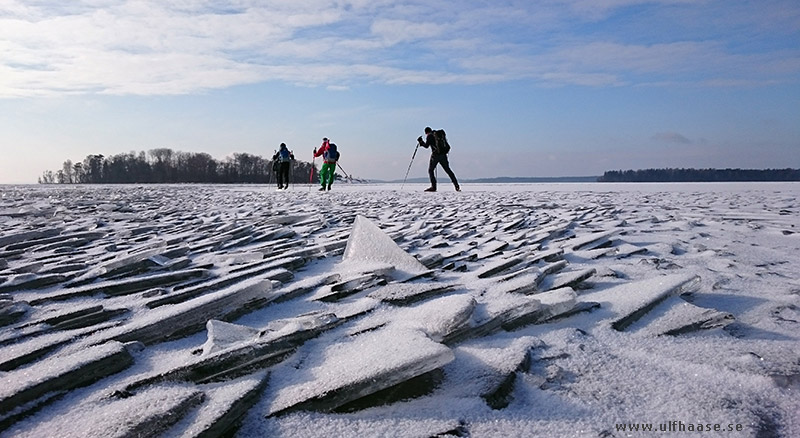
340 168
311 173
272 169
409 166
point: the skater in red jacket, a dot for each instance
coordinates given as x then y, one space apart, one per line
330 155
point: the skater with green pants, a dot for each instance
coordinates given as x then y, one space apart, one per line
330 155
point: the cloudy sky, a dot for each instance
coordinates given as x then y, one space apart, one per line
523 87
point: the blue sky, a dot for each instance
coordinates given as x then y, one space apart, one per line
523 88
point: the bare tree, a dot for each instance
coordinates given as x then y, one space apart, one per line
67 172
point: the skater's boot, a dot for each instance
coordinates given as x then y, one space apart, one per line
322 189
329 186
430 189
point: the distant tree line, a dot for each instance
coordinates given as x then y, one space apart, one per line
700 175
164 165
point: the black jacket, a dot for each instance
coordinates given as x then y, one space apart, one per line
277 156
430 142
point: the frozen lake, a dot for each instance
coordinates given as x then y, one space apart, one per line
565 309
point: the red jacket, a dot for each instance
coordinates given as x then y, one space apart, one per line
323 151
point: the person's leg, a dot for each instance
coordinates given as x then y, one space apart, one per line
324 174
446 166
431 169
332 176
280 176
329 176
285 171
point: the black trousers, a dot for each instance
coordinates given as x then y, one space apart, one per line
283 175
440 159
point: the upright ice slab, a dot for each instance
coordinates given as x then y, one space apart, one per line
222 335
368 243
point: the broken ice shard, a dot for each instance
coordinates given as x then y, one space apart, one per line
368 243
347 371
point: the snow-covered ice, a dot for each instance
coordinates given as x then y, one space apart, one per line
503 310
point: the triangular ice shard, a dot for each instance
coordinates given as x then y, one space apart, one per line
437 318
27 389
346 371
222 335
368 243
629 302
224 406
150 413
489 368
675 316
406 293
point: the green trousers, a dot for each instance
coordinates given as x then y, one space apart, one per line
326 174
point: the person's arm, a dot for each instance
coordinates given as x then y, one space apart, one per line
421 143
430 141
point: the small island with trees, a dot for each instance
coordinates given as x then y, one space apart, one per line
165 166
700 175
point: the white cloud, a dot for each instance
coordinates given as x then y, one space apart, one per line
151 47
396 31
637 58
600 9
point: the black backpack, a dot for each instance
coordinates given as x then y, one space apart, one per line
332 153
442 146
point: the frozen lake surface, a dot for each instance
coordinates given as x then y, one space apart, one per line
586 310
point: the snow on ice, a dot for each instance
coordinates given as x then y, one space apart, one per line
503 310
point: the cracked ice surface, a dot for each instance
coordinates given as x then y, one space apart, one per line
368 311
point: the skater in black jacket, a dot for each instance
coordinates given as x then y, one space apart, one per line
284 158
437 141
